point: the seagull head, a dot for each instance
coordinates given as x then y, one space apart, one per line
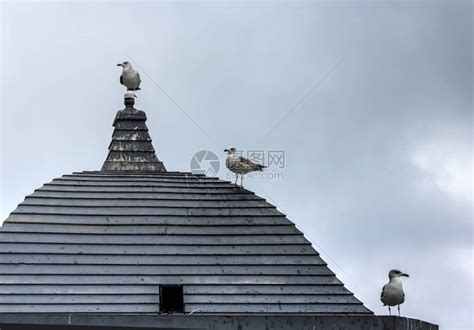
394 273
125 65
230 150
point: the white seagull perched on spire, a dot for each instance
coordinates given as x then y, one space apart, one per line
240 165
130 77
392 292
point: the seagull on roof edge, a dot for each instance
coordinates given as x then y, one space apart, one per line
392 292
130 77
240 165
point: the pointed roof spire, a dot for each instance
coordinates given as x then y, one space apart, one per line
131 148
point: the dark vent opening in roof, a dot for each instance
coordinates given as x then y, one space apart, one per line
171 299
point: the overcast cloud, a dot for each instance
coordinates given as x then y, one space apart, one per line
378 169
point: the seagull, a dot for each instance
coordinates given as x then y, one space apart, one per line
392 292
129 78
240 165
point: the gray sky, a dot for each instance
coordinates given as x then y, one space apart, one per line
378 167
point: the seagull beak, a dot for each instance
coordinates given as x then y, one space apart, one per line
403 274
120 64
226 150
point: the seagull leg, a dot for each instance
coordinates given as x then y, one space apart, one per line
236 176
241 181
389 311
398 310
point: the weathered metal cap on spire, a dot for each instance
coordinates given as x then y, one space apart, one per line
131 148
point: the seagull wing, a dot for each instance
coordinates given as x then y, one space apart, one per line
382 294
250 163
245 161
139 80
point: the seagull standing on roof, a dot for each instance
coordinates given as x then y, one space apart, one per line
130 78
240 165
392 292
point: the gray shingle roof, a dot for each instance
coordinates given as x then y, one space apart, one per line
103 242
131 148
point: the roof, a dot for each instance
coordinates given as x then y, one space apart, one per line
103 242
202 322
131 148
